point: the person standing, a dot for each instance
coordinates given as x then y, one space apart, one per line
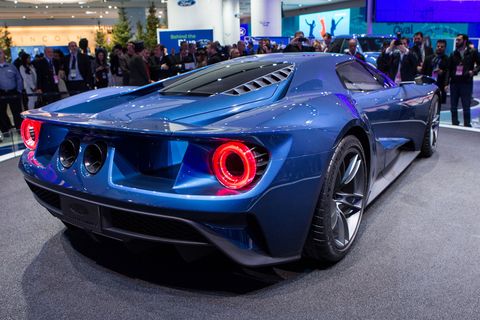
327 42
11 86
436 66
101 68
117 72
29 75
298 44
463 64
78 70
160 64
138 75
352 50
420 50
47 77
397 62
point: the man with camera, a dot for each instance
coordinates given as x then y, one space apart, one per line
398 62
463 64
299 44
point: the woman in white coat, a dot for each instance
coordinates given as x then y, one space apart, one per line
29 75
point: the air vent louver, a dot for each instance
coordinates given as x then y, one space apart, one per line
261 82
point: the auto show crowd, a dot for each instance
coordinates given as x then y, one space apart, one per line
31 82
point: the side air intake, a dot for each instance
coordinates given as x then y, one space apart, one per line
261 82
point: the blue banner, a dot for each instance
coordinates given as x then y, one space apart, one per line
244 31
172 39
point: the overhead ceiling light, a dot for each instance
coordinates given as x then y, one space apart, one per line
24 17
15 1
90 12
101 16
109 7
73 17
106 12
46 7
36 7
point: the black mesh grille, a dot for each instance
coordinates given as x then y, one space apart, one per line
154 226
49 197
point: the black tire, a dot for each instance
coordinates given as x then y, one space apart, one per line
430 138
322 243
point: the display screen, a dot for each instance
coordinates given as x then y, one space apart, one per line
335 22
428 10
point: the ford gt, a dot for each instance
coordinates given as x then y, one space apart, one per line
267 158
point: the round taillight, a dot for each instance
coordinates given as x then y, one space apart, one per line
234 165
30 131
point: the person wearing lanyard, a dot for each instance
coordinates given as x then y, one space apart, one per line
463 64
78 70
11 86
47 77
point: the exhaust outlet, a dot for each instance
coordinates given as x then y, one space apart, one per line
94 157
68 152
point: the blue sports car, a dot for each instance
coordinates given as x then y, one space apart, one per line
266 158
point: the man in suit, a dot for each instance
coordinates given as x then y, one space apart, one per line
78 70
398 62
420 50
436 66
47 77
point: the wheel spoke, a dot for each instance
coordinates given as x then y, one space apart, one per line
352 170
341 228
353 201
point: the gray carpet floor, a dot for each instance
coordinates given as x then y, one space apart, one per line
417 256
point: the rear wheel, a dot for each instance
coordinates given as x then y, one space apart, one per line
430 138
341 204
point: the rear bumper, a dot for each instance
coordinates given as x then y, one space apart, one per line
237 235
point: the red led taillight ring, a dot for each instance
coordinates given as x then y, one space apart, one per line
220 168
30 131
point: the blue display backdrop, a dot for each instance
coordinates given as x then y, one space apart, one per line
244 31
31 50
172 39
335 22
427 10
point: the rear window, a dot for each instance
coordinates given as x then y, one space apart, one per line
220 78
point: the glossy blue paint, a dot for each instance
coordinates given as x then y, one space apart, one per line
160 148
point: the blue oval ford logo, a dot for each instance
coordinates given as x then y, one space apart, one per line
186 3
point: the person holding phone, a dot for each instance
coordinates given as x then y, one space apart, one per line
299 44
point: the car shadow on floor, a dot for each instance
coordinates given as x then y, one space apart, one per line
160 265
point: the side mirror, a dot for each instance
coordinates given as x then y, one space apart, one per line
422 79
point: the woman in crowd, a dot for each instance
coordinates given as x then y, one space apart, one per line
102 69
29 75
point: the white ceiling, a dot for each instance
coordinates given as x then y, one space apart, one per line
106 9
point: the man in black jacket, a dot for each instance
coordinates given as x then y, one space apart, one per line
436 66
398 63
420 50
463 64
297 44
78 70
47 77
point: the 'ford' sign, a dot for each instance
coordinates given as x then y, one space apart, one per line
186 3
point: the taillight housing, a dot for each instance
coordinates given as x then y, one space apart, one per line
30 131
234 165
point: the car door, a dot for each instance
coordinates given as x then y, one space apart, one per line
378 100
